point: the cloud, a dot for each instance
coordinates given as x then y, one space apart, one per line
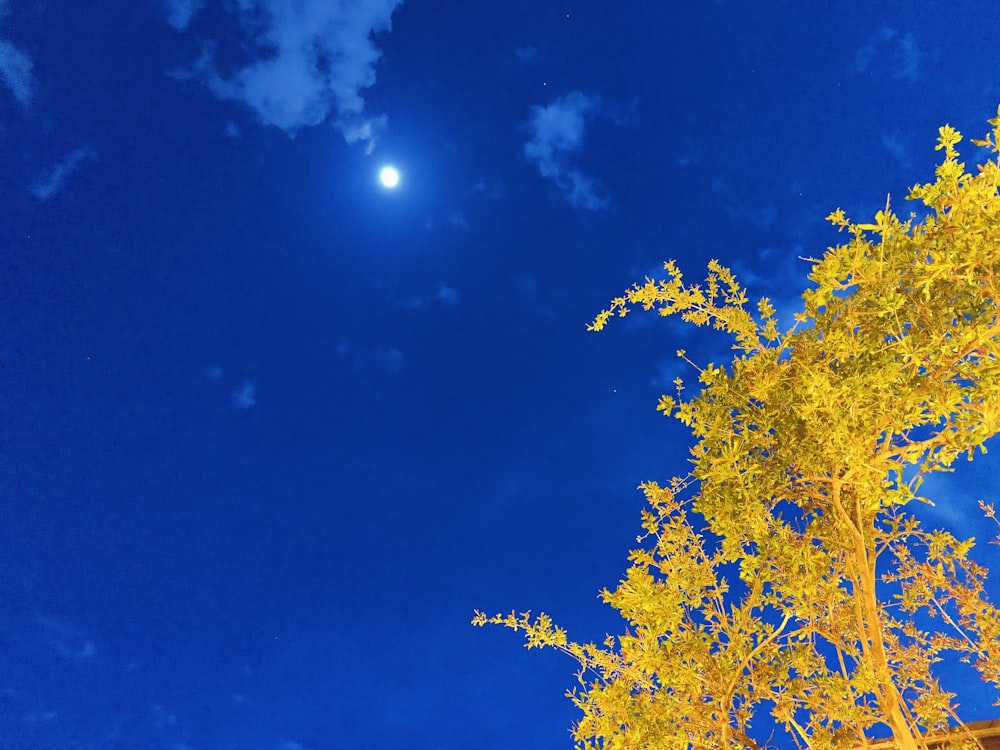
744 206
691 154
899 54
66 639
310 61
162 718
388 360
15 72
39 717
531 299
50 183
455 219
525 54
894 144
180 12
446 295
492 188
244 397
557 130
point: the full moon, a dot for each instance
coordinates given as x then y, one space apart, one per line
389 177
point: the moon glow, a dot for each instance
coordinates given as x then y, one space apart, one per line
389 177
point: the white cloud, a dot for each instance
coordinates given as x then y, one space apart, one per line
50 183
312 59
15 72
557 130
897 54
245 396
180 12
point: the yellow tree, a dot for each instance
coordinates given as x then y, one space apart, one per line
785 574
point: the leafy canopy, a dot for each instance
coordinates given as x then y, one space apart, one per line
784 575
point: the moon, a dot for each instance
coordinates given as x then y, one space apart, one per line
389 177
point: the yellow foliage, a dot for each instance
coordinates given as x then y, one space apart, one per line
809 445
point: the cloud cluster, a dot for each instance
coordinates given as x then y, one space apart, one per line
557 130
311 59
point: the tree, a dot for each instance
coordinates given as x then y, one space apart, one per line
785 575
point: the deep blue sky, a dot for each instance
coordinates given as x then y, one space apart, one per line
269 432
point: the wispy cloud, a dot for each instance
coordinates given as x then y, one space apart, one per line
245 396
162 718
692 152
310 62
531 299
896 146
388 360
444 295
525 54
16 73
39 717
53 180
67 639
891 52
557 130
455 219
744 206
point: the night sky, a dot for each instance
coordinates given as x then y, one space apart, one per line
270 431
